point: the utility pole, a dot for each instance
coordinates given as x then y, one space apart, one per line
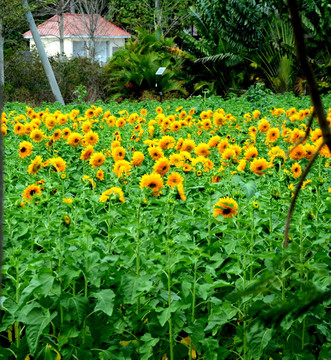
42 53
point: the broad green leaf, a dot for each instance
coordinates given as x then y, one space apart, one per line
38 319
105 301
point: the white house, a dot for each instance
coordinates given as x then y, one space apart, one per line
77 34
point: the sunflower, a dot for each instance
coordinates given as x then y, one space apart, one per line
36 135
97 159
182 115
258 166
237 149
59 164
122 167
100 175
214 141
25 149
35 165
296 170
277 152
31 191
179 144
159 110
137 158
153 181
155 152
256 114
226 207
228 154
188 145
56 135
174 179
299 152
175 126
86 127
296 135
310 150
115 191
219 120
255 205
251 153
176 159
67 200
120 122
86 153
118 153
305 183
50 122
272 135
216 179
263 126
206 124
187 168
62 119
91 138
74 139
202 150
162 166
241 166
19 129
181 193
252 130
315 135
222 145
191 112
143 112
167 142
89 113
65 133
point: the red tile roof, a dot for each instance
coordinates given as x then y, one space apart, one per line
74 25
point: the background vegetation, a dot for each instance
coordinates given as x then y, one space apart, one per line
222 47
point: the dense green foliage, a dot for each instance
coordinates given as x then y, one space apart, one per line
160 277
227 47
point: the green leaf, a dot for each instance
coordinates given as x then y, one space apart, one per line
79 305
147 347
105 301
37 320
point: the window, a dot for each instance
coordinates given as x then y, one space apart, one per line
101 51
79 49
114 49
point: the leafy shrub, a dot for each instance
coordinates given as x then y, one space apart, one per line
26 79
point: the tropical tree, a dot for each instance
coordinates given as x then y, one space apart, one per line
170 16
227 33
132 70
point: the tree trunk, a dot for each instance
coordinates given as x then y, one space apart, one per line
2 60
157 16
61 28
43 57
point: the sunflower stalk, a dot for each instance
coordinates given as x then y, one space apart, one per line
171 340
17 324
138 252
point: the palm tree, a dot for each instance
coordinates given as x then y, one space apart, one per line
132 69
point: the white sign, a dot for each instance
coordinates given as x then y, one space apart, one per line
160 71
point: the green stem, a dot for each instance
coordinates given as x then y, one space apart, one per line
303 334
17 325
138 252
245 340
171 340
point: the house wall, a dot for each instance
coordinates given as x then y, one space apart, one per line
52 45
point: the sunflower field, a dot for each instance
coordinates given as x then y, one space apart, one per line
155 231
